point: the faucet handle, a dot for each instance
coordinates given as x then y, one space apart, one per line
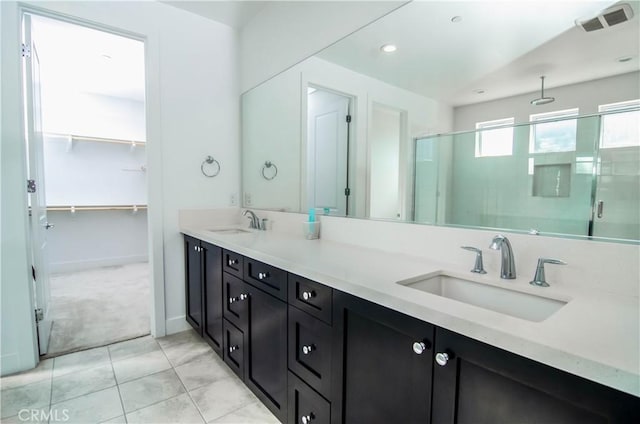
539 278
478 268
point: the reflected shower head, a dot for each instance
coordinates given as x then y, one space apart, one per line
542 100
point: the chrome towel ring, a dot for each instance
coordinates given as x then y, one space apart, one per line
268 165
209 160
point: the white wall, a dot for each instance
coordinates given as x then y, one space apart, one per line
192 111
278 129
284 33
586 96
384 160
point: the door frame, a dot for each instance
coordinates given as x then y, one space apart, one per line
304 120
154 161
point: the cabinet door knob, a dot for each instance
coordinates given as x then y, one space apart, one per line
306 295
308 349
306 419
232 262
195 248
419 347
263 275
244 296
442 358
233 300
233 348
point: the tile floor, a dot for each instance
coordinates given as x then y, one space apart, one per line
174 379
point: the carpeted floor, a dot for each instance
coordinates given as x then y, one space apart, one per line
97 307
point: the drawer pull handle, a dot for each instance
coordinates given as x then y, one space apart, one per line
232 262
442 358
233 348
419 347
306 419
307 295
263 275
308 349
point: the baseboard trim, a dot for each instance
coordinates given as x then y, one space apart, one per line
177 324
60 267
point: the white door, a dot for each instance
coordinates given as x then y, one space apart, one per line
39 225
328 151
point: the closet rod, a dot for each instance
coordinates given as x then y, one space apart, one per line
97 208
97 139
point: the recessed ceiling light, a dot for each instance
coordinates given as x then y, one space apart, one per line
624 59
456 19
479 91
389 48
106 57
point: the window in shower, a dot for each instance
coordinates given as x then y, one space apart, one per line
494 138
620 124
553 132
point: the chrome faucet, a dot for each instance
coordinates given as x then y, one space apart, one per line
539 279
254 221
478 268
508 268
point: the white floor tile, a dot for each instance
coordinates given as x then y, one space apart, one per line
42 372
254 413
92 408
140 366
80 361
183 347
30 396
151 389
222 397
80 383
203 370
178 409
133 347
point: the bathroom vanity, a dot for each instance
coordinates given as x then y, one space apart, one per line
325 332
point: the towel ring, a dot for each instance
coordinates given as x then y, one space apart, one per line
210 160
268 164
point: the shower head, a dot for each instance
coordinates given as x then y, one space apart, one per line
542 100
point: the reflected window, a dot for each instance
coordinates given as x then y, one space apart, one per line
553 131
494 138
620 124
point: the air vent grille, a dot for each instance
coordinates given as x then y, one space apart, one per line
615 17
608 18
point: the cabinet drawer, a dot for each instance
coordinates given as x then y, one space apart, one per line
313 298
233 345
310 350
305 405
232 263
235 297
266 277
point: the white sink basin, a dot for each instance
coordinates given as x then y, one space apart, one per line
229 231
510 302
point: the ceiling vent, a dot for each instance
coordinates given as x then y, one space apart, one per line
608 18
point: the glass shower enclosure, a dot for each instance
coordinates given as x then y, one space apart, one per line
577 176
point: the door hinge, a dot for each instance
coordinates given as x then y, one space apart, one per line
31 186
39 314
348 119
26 50
347 191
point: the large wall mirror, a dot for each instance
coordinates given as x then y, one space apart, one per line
439 113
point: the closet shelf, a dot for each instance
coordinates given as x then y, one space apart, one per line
73 209
73 137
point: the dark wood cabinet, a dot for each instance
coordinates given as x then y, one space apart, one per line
383 364
203 290
326 356
262 320
212 295
478 383
193 283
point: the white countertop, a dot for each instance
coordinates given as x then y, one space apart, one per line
595 336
